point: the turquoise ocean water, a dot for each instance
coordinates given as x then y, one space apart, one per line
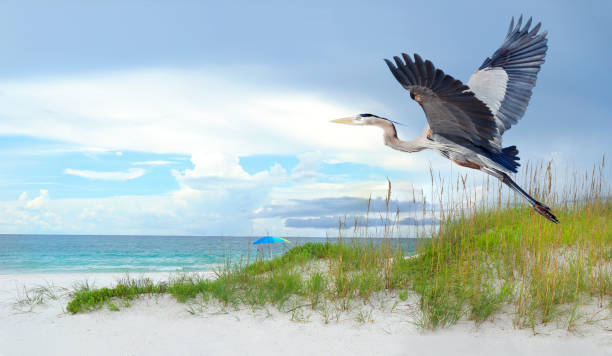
93 253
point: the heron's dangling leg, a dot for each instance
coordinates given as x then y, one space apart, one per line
536 205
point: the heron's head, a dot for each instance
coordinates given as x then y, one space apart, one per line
362 119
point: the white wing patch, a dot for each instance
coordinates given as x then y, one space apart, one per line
489 86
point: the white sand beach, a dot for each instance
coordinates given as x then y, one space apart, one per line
161 326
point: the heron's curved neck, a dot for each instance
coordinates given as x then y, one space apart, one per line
394 142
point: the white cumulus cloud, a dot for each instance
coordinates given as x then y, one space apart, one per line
37 202
213 120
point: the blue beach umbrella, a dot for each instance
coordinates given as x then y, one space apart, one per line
269 240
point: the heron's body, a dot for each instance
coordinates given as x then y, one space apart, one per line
465 122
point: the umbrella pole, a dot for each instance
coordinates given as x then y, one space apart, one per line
260 253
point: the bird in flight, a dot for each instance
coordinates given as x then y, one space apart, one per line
465 122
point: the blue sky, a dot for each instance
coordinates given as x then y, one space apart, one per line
212 118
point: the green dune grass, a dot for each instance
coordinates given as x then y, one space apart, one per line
483 260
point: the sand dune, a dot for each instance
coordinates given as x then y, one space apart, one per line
161 326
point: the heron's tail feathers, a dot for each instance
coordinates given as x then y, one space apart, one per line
511 152
508 158
536 205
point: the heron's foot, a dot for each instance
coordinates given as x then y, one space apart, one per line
545 212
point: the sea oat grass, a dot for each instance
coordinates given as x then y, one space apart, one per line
85 298
38 295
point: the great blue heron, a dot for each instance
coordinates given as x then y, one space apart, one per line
466 122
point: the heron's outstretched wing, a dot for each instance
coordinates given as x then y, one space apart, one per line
505 80
451 108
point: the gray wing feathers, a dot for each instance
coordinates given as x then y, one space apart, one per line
451 108
519 58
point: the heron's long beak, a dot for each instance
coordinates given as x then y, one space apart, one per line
345 120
